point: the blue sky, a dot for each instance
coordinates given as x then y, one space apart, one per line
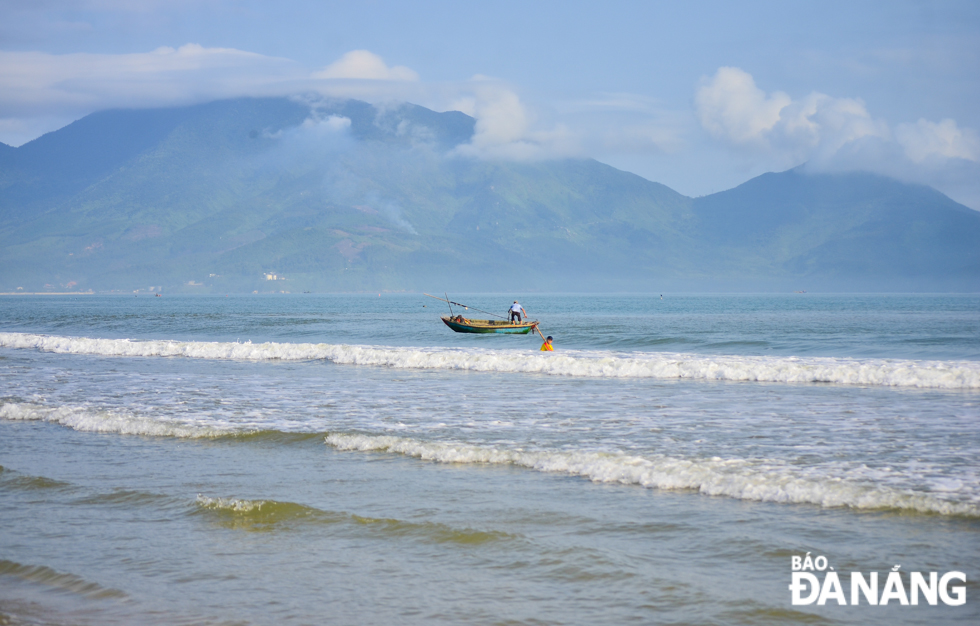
700 96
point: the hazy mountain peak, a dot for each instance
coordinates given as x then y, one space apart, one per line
346 195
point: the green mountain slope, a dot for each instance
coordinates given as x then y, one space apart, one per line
831 229
341 195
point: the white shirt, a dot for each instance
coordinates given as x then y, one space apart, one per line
516 308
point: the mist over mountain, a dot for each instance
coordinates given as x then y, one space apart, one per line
348 196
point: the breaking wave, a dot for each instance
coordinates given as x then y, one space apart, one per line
746 479
765 481
594 364
106 421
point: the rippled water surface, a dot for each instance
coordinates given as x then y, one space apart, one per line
348 459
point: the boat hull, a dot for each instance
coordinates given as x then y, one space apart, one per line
488 326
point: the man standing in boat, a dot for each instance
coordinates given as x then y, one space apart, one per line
516 310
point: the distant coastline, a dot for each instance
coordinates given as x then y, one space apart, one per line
47 293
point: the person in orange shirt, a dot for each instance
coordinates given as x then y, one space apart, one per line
546 346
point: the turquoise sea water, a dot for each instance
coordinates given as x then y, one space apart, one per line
305 459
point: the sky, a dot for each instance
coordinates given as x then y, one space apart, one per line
699 96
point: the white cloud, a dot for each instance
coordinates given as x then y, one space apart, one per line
330 124
834 134
41 92
730 106
36 83
58 88
501 117
504 128
924 140
758 130
817 126
365 65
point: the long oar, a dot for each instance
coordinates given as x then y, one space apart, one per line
464 306
539 332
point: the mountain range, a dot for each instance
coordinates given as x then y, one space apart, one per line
293 194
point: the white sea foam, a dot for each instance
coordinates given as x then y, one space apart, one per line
594 364
104 421
229 504
747 479
767 481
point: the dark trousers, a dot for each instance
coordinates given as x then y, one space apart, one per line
514 314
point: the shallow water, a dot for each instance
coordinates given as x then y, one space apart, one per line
348 459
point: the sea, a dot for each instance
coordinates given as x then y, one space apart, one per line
348 459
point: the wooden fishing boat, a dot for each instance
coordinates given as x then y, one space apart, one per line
461 324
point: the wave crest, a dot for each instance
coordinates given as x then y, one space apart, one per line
121 422
259 515
736 478
747 479
590 364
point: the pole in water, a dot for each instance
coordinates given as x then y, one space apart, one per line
451 314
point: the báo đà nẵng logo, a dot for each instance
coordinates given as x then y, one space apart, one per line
815 581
